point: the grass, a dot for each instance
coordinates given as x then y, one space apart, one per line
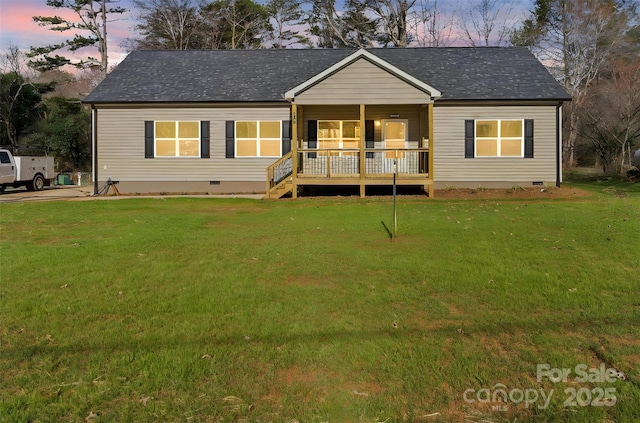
203 310
593 180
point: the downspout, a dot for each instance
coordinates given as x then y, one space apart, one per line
558 144
94 147
294 149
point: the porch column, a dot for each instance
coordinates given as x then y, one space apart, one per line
294 150
300 127
422 127
431 143
362 155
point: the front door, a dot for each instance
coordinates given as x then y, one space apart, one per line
395 136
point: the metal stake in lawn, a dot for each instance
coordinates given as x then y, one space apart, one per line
395 216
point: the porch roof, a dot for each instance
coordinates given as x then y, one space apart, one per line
236 76
371 58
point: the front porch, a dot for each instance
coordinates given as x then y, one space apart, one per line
343 167
359 122
364 160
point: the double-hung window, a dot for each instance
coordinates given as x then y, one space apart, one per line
499 138
338 134
258 139
177 138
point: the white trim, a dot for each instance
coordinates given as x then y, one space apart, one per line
176 139
94 163
362 53
406 130
499 138
561 142
258 139
340 140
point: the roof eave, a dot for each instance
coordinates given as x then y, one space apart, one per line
124 102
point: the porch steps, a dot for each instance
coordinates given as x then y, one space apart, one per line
283 188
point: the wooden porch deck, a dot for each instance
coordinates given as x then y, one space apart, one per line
344 167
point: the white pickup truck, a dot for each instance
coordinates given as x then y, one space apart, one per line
34 172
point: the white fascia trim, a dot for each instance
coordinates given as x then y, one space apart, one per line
362 53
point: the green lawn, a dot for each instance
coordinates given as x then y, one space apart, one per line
207 310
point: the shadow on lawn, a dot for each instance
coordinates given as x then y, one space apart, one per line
436 329
386 228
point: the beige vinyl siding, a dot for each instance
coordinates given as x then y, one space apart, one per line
121 145
450 165
365 82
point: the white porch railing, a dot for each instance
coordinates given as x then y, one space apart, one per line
377 161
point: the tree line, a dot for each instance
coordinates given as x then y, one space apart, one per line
592 47
246 24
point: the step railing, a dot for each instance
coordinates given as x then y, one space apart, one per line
279 171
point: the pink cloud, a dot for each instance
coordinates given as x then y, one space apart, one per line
18 28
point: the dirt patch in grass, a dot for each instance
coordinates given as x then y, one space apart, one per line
296 375
364 389
308 384
455 311
304 280
521 193
632 360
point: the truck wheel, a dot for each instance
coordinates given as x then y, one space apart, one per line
37 184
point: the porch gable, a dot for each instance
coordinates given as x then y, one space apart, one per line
365 79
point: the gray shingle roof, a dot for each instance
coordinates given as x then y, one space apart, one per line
265 75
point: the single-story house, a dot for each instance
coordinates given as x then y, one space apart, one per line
278 121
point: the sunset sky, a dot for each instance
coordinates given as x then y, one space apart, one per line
17 26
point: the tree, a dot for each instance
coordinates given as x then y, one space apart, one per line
20 106
532 29
575 39
428 29
393 18
167 25
66 132
92 20
352 28
487 23
358 30
324 24
13 60
285 14
235 24
612 119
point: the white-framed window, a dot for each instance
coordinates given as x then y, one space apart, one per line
258 138
499 138
177 138
338 134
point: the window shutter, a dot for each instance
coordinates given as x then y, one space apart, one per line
312 137
286 136
230 139
528 138
469 139
204 139
369 137
148 139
